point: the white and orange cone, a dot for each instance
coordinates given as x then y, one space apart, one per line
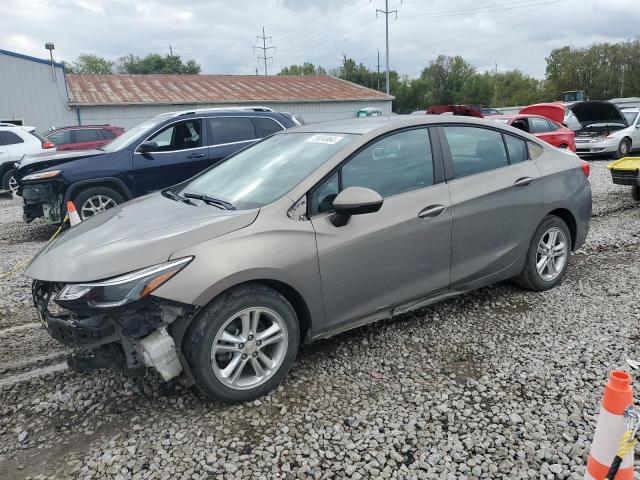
610 428
74 218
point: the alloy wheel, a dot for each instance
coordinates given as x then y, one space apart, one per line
96 204
552 253
13 185
249 348
624 148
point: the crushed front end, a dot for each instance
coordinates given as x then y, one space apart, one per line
43 200
139 335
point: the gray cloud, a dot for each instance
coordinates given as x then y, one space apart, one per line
220 35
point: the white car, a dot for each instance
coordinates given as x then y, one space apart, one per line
15 142
604 130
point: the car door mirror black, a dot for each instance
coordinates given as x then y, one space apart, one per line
146 147
355 201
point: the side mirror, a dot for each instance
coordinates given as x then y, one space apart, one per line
146 147
355 201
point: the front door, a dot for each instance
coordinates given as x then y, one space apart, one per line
182 152
495 198
400 253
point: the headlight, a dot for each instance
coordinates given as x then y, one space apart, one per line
41 175
121 290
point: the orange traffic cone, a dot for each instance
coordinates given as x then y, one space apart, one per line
610 428
74 218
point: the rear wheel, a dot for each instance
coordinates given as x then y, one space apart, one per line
623 149
548 255
242 345
94 200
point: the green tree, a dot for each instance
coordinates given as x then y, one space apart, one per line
305 69
90 64
155 63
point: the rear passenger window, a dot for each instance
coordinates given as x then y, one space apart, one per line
475 150
60 138
267 125
230 129
108 134
517 149
552 126
9 138
539 125
87 135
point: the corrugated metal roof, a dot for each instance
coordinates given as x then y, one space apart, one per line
122 89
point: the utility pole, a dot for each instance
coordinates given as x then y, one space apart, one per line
622 83
495 85
170 50
378 70
386 13
264 49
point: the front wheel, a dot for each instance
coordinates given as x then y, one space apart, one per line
9 182
623 149
548 255
93 200
242 344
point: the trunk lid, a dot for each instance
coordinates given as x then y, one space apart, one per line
553 111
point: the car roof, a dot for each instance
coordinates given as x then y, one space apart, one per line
365 125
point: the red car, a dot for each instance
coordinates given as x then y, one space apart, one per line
84 137
543 120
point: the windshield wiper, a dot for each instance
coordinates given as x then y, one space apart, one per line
211 201
174 196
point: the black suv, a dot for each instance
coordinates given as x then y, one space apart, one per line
152 155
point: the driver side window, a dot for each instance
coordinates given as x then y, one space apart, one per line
179 136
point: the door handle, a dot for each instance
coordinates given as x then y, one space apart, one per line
523 182
431 211
196 155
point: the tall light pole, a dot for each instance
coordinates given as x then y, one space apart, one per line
49 46
386 13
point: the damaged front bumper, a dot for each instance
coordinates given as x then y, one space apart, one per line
43 200
145 334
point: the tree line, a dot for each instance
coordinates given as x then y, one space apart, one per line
603 71
152 63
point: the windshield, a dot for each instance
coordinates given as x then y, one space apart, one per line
126 138
267 170
631 117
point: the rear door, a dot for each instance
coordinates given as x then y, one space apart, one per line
182 153
400 253
495 200
15 145
227 135
62 139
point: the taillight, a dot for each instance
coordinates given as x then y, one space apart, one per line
586 169
48 144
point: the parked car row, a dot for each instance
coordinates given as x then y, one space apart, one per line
217 279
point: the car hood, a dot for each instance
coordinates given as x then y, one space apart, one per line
605 113
40 161
552 111
134 235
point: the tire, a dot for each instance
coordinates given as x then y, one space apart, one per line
9 181
89 201
635 193
530 277
624 149
214 374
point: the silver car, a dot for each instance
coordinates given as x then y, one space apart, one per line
602 129
310 232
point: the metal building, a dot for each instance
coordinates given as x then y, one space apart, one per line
125 100
33 92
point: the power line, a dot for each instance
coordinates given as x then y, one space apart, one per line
386 13
264 49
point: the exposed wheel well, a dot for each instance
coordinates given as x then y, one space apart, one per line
112 185
292 296
569 219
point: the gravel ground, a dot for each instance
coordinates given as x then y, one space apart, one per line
498 383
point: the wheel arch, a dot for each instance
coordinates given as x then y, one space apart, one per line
565 215
109 182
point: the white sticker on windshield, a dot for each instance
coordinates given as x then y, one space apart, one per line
328 139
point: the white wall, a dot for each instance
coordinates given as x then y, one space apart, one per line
128 115
29 92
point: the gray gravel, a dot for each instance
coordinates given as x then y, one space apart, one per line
499 383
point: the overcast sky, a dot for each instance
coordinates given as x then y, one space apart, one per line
220 34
